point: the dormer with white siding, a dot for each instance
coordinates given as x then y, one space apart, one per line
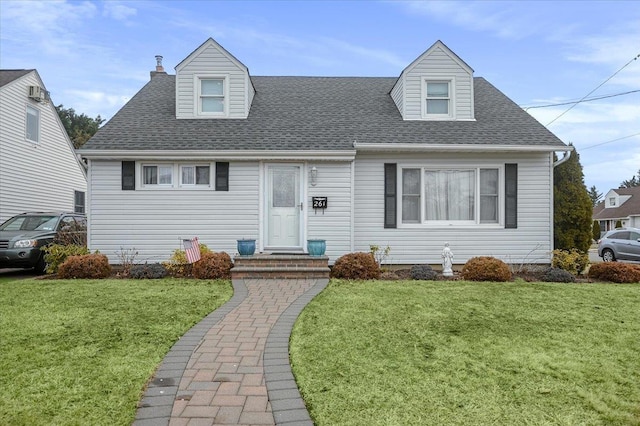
212 84
614 200
438 85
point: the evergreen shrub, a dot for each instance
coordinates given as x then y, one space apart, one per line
485 268
356 266
557 275
572 261
55 254
213 266
177 265
423 272
86 266
148 271
615 272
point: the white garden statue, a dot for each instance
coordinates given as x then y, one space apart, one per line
447 261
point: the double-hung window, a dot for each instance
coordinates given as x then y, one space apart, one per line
438 99
161 175
191 175
33 124
463 196
212 95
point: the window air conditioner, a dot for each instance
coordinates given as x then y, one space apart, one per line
38 94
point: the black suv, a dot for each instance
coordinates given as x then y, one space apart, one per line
22 236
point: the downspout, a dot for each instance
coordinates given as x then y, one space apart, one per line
565 157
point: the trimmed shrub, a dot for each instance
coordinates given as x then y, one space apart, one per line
148 271
486 268
356 266
56 254
557 275
177 265
595 230
572 261
423 272
86 266
618 224
213 266
615 272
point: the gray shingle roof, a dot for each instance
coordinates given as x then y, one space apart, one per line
7 76
631 207
313 113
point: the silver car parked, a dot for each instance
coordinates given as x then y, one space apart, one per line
620 244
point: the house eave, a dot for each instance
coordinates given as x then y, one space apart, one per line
424 147
238 155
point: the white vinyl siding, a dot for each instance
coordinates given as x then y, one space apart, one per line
437 64
334 223
153 222
40 177
530 242
212 62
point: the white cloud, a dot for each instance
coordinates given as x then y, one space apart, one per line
499 18
118 11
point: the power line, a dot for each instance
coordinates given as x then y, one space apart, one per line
581 101
599 86
612 140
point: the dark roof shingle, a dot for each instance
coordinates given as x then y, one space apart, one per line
7 76
313 113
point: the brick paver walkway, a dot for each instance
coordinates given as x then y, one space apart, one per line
233 367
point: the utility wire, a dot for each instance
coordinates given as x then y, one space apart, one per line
599 86
612 140
581 101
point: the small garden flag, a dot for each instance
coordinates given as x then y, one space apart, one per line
192 249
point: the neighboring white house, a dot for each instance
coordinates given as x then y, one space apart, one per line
623 205
410 162
39 170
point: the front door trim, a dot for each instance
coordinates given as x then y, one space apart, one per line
265 189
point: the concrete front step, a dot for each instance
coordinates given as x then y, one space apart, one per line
290 266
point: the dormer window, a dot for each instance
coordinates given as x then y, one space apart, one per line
612 201
212 96
438 99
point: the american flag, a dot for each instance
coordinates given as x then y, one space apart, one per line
192 249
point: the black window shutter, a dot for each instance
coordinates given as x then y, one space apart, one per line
128 175
390 195
222 176
511 195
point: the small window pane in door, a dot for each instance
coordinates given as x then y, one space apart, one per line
284 190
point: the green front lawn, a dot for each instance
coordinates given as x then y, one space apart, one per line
81 351
447 353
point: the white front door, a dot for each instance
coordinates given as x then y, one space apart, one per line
283 205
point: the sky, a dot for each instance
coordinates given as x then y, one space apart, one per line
93 56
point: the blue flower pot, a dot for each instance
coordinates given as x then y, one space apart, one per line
246 247
316 247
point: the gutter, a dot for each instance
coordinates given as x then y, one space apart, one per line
426 147
565 157
201 155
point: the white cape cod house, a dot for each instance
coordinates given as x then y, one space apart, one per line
410 162
39 170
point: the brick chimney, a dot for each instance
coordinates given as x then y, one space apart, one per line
159 67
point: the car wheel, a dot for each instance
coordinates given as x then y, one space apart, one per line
41 266
608 256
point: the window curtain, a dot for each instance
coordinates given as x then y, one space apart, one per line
449 194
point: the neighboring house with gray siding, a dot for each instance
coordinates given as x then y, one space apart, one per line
408 162
39 170
622 204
